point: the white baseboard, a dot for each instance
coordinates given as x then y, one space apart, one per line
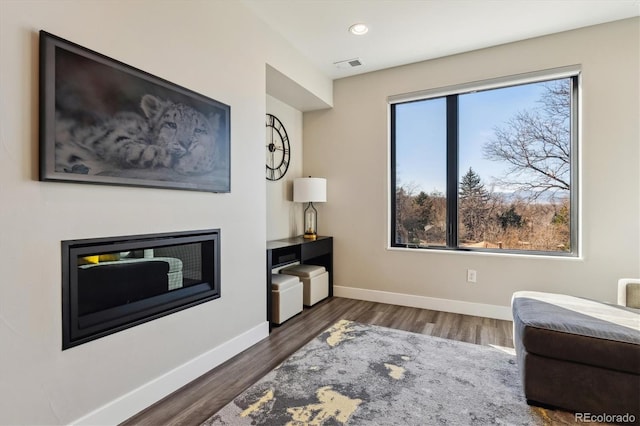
124 407
433 303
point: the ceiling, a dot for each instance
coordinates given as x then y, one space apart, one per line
407 31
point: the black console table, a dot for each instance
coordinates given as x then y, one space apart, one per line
298 249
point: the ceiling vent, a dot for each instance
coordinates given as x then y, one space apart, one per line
349 63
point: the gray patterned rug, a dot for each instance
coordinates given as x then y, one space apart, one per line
359 374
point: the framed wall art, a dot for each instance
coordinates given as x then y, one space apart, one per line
105 122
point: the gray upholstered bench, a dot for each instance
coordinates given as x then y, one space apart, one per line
577 354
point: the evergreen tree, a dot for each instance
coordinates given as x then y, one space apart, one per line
424 208
474 205
562 217
510 218
413 214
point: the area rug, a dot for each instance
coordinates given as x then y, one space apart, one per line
358 374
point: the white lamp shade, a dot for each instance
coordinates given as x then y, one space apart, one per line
309 190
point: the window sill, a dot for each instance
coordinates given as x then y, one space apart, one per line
518 255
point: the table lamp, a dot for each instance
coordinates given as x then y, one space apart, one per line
310 190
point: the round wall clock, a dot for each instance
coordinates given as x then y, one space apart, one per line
278 151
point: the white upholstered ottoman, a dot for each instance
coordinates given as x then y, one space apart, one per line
315 280
286 297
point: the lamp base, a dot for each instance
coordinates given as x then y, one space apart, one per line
310 222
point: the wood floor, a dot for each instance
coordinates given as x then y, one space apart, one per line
195 402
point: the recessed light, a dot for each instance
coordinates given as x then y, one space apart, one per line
358 29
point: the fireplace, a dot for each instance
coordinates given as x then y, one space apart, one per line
110 284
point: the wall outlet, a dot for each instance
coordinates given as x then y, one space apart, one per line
471 275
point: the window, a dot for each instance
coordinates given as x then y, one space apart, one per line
487 167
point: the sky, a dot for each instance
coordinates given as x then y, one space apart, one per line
421 134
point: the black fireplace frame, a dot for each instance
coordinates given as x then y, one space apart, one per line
77 329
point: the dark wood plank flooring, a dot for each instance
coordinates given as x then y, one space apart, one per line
195 402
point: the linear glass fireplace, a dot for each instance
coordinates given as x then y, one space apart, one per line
109 284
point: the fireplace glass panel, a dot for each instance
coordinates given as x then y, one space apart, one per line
111 284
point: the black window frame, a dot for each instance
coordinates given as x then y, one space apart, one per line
451 94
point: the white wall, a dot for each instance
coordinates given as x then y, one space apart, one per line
284 217
217 48
349 145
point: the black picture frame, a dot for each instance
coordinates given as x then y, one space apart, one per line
106 122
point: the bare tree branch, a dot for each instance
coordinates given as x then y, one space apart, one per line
536 144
